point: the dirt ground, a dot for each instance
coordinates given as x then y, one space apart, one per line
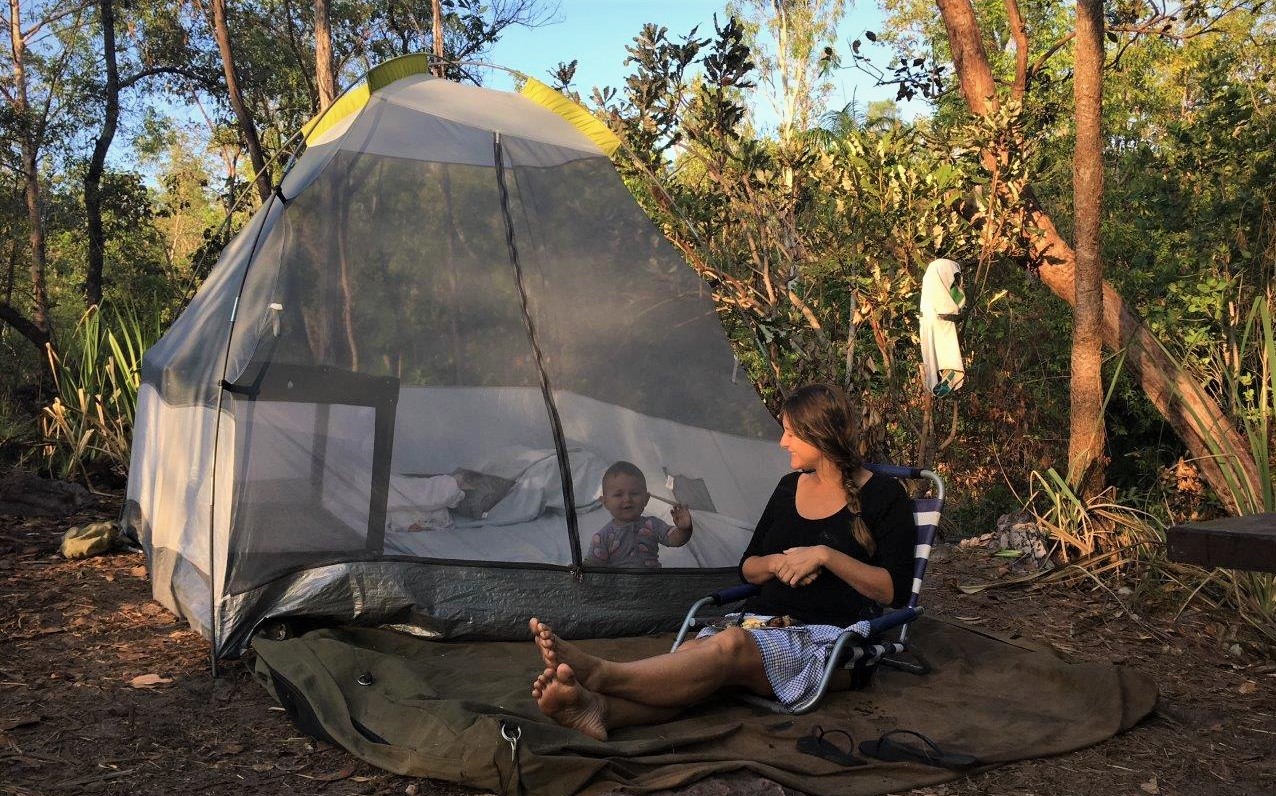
75 635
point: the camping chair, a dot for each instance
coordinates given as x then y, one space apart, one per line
862 645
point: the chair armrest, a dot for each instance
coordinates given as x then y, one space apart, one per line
734 593
894 470
720 597
892 619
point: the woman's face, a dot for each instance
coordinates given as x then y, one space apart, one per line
802 454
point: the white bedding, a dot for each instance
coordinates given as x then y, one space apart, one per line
527 525
538 483
717 541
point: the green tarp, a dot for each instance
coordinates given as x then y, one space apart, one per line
435 709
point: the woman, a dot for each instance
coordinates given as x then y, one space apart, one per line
834 543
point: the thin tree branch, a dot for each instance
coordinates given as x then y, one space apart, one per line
1020 34
203 79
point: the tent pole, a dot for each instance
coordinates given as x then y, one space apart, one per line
217 431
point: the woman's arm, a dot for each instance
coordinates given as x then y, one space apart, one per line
886 580
756 566
759 569
800 564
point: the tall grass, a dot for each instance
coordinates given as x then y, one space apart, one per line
1100 535
1249 373
1249 369
1098 530
89 424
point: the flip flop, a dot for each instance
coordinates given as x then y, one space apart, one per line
817 745
892 750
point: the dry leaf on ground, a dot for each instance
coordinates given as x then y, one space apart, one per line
344 773
149 681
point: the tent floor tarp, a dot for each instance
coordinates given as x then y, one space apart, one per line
435 709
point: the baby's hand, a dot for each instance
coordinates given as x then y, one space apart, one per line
681 517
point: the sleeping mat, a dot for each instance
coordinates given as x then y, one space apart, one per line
446 710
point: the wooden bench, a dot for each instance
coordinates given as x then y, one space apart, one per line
1247 543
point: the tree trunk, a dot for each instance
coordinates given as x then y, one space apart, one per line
97 163
246 127
1194 415
39 328
1085 439
325 75
437 35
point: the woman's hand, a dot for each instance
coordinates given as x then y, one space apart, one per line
798 566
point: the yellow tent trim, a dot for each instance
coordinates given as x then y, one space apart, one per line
353 100
580 118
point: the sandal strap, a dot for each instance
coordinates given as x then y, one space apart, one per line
934 749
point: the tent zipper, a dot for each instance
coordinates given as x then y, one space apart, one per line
556 423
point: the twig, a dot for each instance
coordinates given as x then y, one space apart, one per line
75 783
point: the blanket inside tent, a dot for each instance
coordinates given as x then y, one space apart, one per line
438 709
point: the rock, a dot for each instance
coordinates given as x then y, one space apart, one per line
25 495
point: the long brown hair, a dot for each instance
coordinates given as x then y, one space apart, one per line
821 415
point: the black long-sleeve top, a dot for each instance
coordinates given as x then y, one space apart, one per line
829 600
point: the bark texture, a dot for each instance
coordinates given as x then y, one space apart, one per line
221 32
325 74
1085 439
437 35
97 162
38 329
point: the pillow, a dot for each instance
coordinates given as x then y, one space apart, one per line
482 492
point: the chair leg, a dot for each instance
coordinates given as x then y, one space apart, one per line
919 664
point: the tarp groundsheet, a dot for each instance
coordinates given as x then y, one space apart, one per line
435 709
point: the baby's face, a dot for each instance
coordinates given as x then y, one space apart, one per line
625 496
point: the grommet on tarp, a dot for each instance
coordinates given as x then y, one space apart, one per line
365 679
512 733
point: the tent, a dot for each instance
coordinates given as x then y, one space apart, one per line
394 397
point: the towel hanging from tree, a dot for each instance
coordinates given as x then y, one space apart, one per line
941 304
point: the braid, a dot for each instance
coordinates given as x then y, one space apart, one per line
858 528
821 415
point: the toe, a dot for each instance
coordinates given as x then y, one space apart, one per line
565 675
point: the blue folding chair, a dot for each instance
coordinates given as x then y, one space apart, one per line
861 646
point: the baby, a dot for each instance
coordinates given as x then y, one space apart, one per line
631 539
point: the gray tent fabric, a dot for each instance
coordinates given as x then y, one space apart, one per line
449 280
435 709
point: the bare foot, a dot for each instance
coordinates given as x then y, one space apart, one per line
541 682
570 704
555 651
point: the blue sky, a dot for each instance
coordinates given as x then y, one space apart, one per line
595 33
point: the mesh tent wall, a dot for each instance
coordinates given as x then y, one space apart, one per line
394 398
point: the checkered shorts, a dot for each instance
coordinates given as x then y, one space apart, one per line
792 657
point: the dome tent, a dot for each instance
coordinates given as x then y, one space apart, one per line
394 397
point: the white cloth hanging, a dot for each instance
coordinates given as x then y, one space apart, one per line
942 299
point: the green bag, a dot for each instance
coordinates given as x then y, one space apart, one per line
88 540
